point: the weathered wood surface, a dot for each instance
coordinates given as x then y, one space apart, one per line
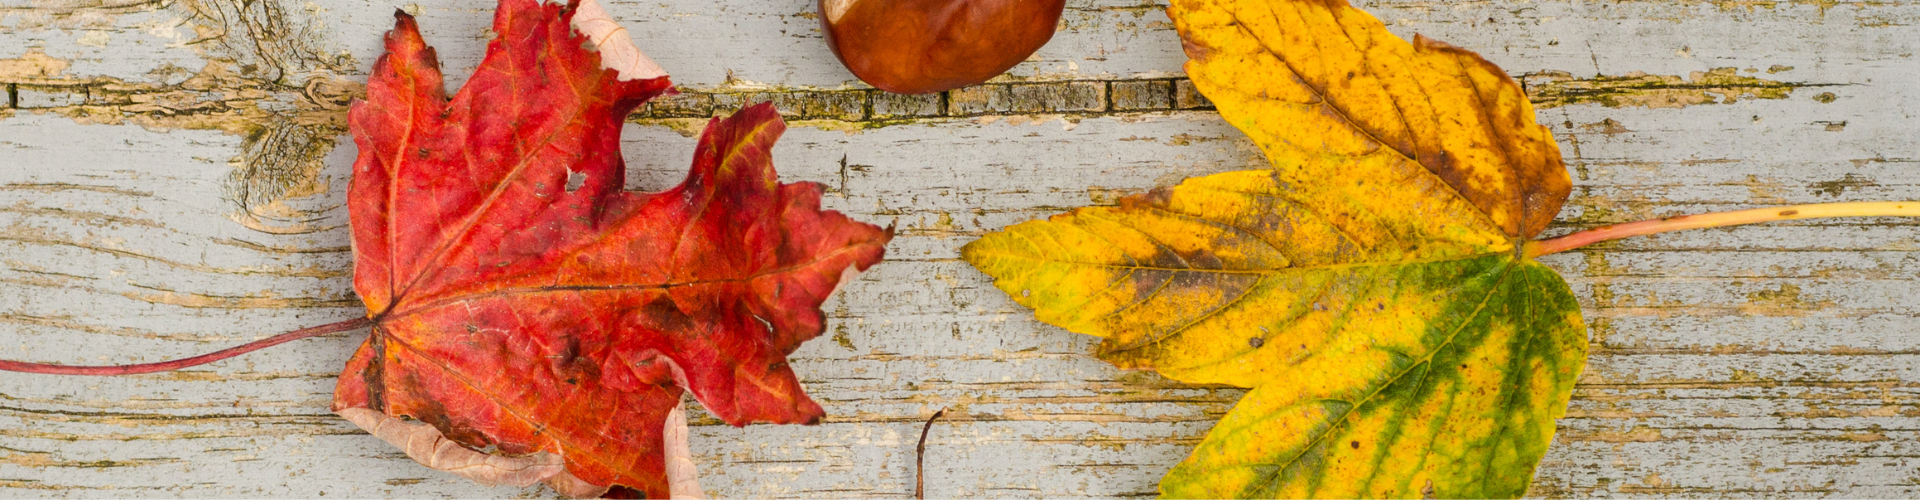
172 175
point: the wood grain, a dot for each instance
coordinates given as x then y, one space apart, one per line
177 187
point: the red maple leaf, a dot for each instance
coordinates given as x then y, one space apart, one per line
521 300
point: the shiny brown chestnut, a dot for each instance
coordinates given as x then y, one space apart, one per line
920 46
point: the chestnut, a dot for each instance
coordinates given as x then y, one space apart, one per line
921 46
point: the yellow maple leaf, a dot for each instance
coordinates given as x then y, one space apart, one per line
1370 288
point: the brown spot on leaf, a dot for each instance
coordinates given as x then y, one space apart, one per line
1195 51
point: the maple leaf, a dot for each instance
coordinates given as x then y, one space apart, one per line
522 302
1370 288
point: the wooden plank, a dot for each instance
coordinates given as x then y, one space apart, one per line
176 186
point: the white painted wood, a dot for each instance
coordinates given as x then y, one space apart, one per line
1763 361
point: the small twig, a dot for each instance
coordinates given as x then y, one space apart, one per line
1722 219
17 366
920 458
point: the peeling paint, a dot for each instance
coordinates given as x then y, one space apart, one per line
1837 187
1662 399
266 79
1607 127
1551 89
33 67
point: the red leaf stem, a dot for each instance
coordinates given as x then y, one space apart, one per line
24 367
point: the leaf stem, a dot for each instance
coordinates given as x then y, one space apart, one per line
920 458
17 366
1738 217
